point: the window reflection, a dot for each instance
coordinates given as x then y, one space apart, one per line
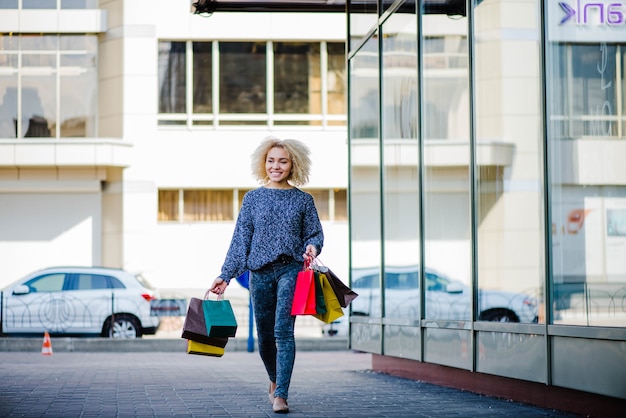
38 106
242 77
336 78
172 68
365 213
202 77
297 83
447 246
509 191
8 106
365 102
400 171
54 79
78 104
588 91
587 128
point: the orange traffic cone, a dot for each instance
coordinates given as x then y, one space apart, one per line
46 347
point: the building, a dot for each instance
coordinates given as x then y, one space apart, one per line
484 142
485 145
126 131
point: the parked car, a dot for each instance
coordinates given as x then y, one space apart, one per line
446 299
79 300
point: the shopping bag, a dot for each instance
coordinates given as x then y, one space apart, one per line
194 347
333 308
219 317
304 295
320 304
194 327
345 295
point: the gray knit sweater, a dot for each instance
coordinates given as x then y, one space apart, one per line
272 222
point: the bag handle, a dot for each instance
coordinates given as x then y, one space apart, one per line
207 295
320 267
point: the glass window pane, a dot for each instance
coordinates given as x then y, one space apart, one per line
336 76
8 4
48 283
364 100
9 42
401 168
208 205
320 197
365 193
87 43
363 16
510 214
39 4
39 108
446 204
587 126
8 61
297 83
78 60
202 77
172 76
91 282
8 106
240 194
587 103
341 204
79 4
77 111
168 205
39 42
243 77
39 60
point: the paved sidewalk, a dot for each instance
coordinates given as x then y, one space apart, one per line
324 384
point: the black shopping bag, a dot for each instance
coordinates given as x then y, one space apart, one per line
194 327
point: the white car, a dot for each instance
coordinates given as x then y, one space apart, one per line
80 300
446 299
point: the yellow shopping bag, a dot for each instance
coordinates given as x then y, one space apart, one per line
194 347
333 308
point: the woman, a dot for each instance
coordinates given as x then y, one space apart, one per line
277 229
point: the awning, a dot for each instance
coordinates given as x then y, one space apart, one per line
447 7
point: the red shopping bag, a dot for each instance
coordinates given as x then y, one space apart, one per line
304 295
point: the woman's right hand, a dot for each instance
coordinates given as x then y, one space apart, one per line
219 286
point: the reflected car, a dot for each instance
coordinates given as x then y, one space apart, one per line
99 301
446 299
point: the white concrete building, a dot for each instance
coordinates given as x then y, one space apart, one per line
126 131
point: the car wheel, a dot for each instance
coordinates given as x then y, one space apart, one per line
499 315
123 327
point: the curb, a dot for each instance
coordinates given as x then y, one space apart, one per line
173 345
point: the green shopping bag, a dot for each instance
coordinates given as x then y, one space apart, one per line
320 303
219 317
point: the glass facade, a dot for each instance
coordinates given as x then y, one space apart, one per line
487 200
48 86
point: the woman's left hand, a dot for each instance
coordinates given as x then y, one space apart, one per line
311 252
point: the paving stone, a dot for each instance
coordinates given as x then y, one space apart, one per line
171 384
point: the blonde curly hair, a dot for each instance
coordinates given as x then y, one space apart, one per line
298 152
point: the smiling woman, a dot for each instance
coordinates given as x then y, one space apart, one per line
277 229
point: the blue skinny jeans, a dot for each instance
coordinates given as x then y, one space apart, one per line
271 289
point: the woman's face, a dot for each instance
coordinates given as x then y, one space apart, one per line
278 167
